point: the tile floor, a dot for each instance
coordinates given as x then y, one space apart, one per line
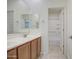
54 53
54 50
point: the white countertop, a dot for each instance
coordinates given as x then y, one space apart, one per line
19 40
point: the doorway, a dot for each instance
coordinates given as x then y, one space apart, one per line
56 29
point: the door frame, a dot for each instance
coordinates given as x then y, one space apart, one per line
62 8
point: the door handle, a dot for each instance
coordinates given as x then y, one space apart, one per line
70 37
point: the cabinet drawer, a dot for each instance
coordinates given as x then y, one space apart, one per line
12 54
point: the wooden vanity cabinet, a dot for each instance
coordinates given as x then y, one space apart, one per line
29 50
39 46
12 54
24 51
34 49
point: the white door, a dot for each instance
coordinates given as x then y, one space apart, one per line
61 18
69 29
69 36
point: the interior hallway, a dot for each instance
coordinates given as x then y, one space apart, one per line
54 34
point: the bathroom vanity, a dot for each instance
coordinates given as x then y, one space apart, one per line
23 27
24 48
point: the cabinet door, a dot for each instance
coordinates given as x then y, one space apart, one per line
12 54
34 49
39 46
24 51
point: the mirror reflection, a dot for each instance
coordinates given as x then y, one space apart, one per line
20 18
